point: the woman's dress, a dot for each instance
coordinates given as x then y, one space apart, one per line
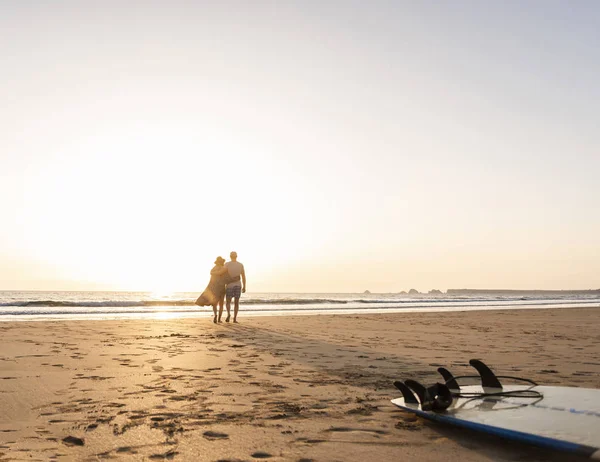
214 292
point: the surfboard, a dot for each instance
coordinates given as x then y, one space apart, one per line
557 418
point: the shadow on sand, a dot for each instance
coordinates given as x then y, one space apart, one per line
366 368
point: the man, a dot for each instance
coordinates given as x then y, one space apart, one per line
236 288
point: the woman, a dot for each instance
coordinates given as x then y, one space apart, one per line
214 294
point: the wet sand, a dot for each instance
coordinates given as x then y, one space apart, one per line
270 388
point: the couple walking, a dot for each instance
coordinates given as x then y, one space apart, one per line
225 280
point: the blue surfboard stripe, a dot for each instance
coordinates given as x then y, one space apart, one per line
542 441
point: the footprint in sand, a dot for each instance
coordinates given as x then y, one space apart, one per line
349 429
410 425
310 440
169 455
210 435
73 441
261 455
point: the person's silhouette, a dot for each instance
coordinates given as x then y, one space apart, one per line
236 288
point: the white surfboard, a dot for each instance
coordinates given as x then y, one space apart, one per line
559 418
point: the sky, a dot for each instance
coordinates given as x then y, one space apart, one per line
337 146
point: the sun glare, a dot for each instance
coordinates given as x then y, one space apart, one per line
165 315
151 209
124 216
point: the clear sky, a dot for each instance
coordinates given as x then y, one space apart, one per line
336 146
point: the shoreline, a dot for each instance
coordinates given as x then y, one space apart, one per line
201 313
290 387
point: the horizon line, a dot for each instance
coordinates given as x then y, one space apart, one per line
406 292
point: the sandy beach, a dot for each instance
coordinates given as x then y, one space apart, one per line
271 388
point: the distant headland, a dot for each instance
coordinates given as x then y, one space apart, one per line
516 292
520 291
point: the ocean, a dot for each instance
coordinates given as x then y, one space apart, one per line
41 305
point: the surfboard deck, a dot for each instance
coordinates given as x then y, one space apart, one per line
564 418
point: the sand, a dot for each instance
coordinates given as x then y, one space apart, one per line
271 388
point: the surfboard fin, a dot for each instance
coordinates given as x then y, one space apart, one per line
451 382
488 378
419 389
440 396
409 398
434 398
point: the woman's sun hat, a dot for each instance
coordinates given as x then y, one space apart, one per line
219 260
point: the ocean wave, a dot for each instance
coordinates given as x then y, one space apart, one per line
92 304
106 311
248 301
269 302
152 303
189 302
